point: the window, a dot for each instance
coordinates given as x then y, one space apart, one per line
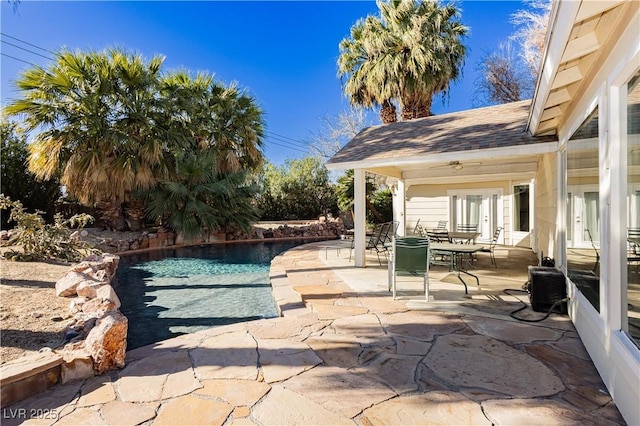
631 309
521 208
583 209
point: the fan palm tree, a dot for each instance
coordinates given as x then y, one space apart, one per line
97 114
199 198
212 115
412 51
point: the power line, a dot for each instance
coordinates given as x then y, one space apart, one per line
288 147
288 139
18 59
305 147
27 50
26 42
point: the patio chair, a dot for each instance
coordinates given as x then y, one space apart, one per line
467 227
376 241
633 252
391 232
438 235
418 229
410 258
442 225
490 249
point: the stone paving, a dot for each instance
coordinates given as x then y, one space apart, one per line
344 352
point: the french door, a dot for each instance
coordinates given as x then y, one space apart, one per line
481 207
583 216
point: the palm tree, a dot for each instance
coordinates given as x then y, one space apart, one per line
111 126
199 198
207 114
412 51
97 115
365 84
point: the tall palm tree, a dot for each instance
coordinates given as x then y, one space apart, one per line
208 114
412 51
97 115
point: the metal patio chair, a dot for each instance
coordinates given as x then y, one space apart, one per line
409 258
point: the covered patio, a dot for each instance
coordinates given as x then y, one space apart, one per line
435 164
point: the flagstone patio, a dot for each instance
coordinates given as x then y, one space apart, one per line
344 352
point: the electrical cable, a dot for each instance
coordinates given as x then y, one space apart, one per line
286 146
27 50
294 141
26 42
512 314
18 59
287 142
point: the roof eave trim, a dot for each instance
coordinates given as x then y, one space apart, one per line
557 38
502 152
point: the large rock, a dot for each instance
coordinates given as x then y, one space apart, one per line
93 265
106 292
107 342
89 288
67 286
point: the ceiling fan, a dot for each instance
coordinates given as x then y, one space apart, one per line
456 165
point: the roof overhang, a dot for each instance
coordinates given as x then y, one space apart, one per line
517 162
579 36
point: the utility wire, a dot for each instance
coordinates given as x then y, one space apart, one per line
305 147
18 59
27 50
286 146
287 139
26 42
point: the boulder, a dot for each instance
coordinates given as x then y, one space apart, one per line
89 288
107 293
98 307
93 264
67 285
107 342
76 303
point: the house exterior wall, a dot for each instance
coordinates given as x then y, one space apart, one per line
546 205
430 203
614 354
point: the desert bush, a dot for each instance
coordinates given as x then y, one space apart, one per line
39 240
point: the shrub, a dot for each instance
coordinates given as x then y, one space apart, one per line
41 241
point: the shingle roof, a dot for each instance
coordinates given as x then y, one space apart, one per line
475 129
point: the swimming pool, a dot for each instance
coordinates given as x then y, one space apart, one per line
170 292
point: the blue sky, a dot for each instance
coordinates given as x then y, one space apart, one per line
283 53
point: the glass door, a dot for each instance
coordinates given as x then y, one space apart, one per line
477 207
583 216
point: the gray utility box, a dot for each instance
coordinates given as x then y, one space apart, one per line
548 285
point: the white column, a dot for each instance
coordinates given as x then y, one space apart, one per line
399 197
360 222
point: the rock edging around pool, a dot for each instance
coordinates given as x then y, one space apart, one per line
129 241
95 338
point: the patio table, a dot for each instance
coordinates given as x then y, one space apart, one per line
454 251
464 237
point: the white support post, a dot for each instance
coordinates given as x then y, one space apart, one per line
399 198
360 223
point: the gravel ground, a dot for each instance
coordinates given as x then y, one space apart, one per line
31 315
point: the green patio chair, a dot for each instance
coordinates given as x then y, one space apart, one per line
409 257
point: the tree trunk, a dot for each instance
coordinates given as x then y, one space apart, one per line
112 215
388 112
416 108
134 214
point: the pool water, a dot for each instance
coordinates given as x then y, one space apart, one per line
167 293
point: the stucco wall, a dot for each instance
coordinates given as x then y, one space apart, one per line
545 226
